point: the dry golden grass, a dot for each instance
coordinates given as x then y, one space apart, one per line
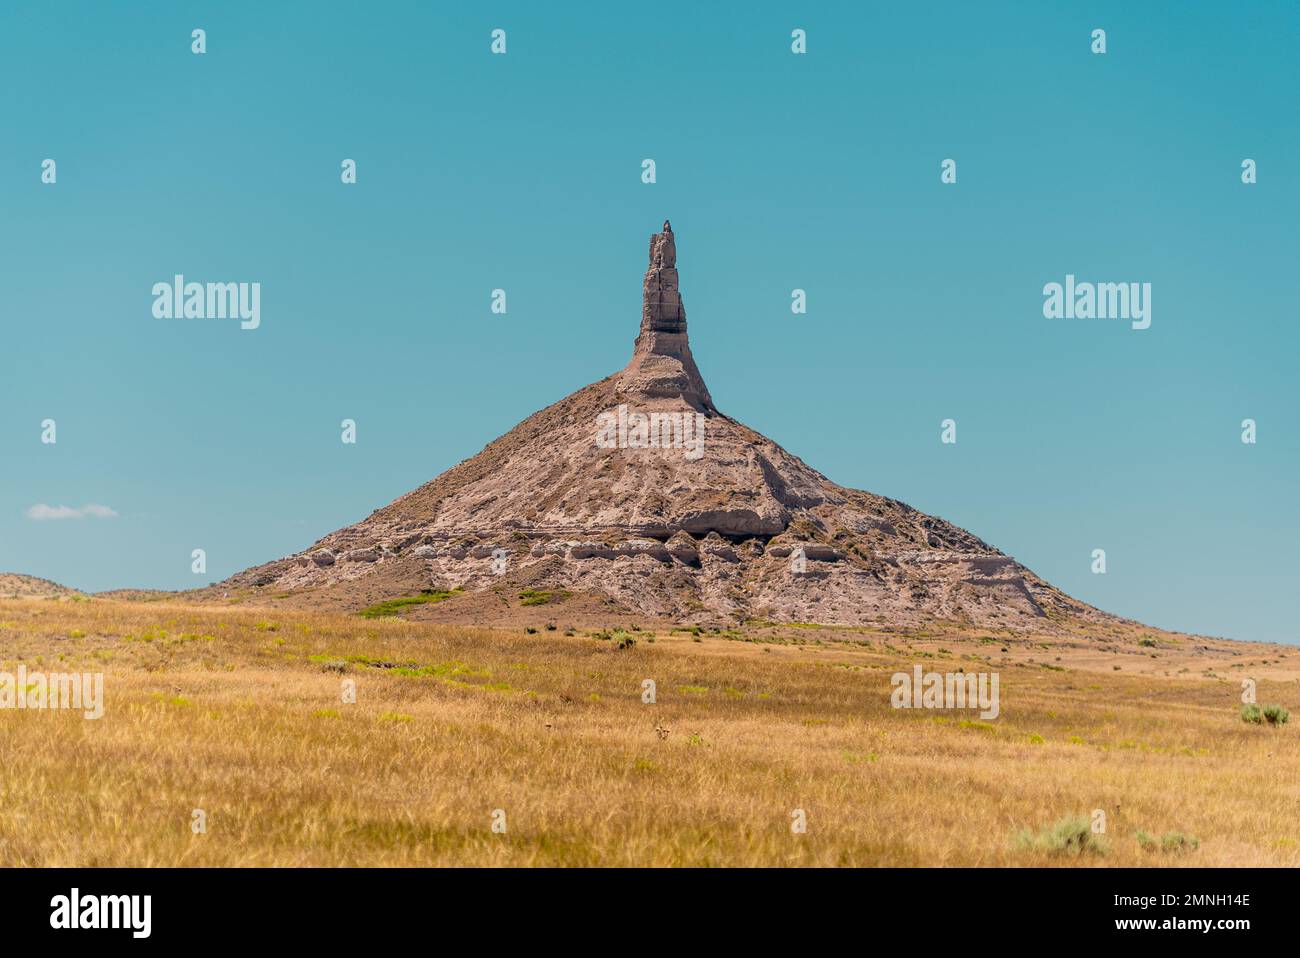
237 711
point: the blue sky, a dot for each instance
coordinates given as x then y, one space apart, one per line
778 171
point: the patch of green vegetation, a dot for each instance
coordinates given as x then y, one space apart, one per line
177 700
693 689
390 607
1174 843
1147 642
355 659
1069 836
482 686
441 670
395 717
325 713
868 758
1272 714
542 596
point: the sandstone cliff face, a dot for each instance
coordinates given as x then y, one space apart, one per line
638 489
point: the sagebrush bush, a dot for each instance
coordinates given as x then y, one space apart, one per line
1276 715
1069 836
1169 842
1178 842
1272 714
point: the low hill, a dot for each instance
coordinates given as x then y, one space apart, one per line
15 585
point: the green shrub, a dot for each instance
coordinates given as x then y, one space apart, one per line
1174 843
1178 842
1272 714
1069 836
622 639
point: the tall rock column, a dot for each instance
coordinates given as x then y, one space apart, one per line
661 303
662 365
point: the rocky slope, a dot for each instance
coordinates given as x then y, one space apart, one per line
638 489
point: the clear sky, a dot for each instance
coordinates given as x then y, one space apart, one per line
523 172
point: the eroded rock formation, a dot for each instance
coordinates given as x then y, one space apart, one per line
598 494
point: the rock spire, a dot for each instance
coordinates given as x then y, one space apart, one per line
662 365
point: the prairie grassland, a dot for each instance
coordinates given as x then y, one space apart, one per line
237 712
